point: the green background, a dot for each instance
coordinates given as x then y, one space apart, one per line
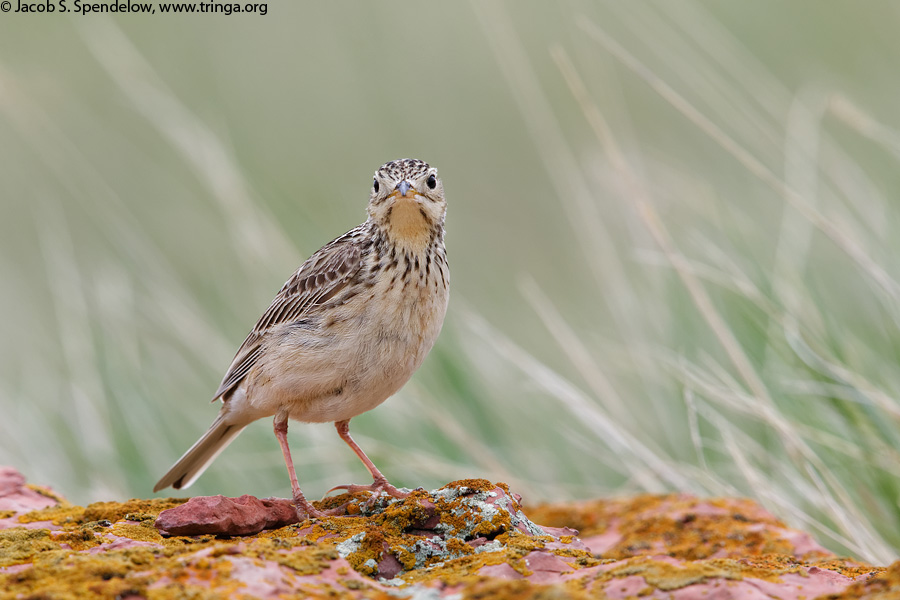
671 234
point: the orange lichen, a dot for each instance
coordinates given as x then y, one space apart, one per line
665 576
137 531
499 589
849 568
476 485
79 539
457 571
136 510
46 492
20 545
885 584
678 525
457 546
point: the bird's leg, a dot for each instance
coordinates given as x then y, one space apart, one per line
300 502
380 483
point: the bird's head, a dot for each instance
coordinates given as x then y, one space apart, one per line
407 202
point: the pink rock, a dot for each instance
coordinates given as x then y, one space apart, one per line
559 531
15 496
14 568
266 580
625 587
803 543
115 542
10 480
219 515
815 582
389 566
546 567
501 571
811 582
602 543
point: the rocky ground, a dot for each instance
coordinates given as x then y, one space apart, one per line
469 539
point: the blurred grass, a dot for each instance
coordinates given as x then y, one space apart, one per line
670 230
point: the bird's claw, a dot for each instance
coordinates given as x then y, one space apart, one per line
376 488
305 510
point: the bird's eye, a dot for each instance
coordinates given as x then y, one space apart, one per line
431 182
375 185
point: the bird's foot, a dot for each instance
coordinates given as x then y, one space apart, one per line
376 488
306 510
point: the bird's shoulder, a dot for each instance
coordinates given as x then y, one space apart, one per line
318 279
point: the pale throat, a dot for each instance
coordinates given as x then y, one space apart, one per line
407 224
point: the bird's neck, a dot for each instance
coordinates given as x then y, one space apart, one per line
408 226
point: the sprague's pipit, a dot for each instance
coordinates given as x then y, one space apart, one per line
346 331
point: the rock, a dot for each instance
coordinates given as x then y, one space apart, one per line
18 498
679 525
882 585
218 515
471 538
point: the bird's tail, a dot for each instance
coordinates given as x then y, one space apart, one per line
190 466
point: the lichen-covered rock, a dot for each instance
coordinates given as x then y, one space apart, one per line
470 539
18 498
679 525
882 585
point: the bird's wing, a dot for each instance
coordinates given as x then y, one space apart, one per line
317 280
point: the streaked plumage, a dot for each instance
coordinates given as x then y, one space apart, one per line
346 331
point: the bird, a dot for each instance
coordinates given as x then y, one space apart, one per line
345 332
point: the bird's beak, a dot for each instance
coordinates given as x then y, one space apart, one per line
403 187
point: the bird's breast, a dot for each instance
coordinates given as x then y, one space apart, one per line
411 302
